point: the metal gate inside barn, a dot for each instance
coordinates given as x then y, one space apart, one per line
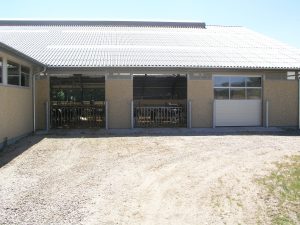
77 102
159 100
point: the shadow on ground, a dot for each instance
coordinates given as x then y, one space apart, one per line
144 132
12 151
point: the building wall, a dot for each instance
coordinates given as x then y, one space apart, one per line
282 95
42 96
119 94
16 114
200 94
16 108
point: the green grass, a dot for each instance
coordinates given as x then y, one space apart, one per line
283 186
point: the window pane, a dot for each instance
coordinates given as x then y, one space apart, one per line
221 93
237 93
12 68
237 81
254 93
221 81
1 66
13 73
25 80
253 81
25 71
13 80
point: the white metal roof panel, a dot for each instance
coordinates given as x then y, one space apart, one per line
148 45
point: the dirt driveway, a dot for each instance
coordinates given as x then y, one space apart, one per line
138 180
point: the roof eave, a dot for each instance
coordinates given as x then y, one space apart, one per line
17 53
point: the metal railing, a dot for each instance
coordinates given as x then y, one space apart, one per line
77 116
160 116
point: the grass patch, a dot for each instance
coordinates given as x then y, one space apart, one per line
283 188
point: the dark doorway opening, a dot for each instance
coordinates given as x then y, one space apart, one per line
77 101
160 100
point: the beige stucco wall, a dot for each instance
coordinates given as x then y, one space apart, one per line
42 96
282 96
119 94
16 106
200 93
16 112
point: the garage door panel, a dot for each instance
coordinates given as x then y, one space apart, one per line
238 112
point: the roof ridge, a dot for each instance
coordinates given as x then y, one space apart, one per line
100 23
216 25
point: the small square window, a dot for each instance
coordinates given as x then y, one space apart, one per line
221 93
221 81
253 81
237 81
13 80
237 93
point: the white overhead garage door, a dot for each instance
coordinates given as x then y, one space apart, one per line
237 100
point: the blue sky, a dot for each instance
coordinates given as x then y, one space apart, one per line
279 19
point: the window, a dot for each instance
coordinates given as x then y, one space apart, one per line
13 73
237 87
17 74
221 81
1 67
237 93
25 74
221 93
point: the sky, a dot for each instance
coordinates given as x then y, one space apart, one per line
279 19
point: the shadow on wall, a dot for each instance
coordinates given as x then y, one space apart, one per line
12 151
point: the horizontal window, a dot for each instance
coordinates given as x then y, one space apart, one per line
237 81
18 75
237 87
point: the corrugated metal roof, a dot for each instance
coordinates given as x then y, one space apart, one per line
6 48
146 44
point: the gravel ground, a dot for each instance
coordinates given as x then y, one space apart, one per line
85 179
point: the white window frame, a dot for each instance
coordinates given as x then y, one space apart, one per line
229 86
19 75
13 75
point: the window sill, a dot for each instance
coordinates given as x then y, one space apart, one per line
14 86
